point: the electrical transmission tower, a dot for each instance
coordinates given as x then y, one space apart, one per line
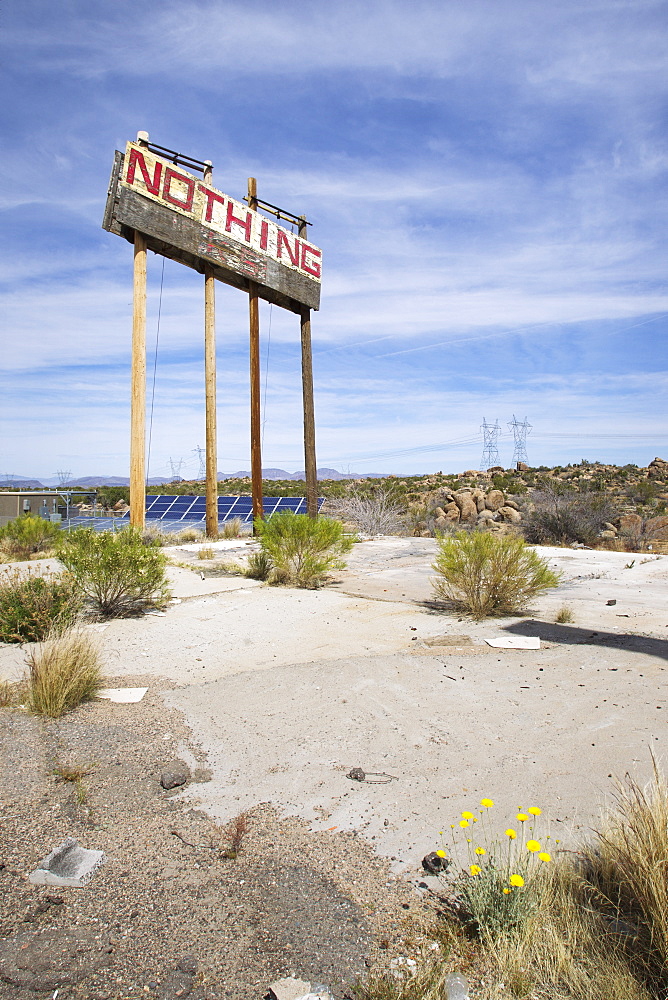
199 451
64 476
176 466
490 451
520 431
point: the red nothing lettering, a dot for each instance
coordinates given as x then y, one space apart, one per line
137 160
170 175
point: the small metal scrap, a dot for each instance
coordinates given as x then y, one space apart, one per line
371 777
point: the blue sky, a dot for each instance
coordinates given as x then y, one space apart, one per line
486 180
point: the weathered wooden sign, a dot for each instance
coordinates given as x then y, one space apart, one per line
196 224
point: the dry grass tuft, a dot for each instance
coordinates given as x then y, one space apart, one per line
564 615
64 670
73 775
625 876
12 694
232 528
206 553
232 836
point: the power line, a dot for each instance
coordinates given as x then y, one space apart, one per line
490 451
520 431
200 452
176 465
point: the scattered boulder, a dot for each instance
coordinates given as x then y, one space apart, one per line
494 500
657 528
468 510
629 524
510 514
658 469
607 534
485 516
174 774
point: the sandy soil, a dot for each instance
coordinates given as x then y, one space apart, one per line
282 692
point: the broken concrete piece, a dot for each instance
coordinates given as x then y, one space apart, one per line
289 989
124 696
174 774
514 642
68 865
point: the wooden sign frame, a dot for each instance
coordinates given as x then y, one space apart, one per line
157 205
188 220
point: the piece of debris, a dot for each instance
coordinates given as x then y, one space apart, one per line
371 777
514 642
456 987
124 696
611 603
289 989
434 863
174 774
68 865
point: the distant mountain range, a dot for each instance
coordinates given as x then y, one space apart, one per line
89 482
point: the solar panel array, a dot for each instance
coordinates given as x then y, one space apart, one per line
193 508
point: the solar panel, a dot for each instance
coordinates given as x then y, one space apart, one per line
172 510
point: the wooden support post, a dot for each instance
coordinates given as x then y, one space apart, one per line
138 388
310 465
255 414
210 392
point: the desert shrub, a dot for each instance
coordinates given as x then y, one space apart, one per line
560 515
232 528
33 605
22 537
259 566
487 574
302 550
378 513
508 484
207 552
117 572
64 670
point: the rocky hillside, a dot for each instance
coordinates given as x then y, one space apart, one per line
603 502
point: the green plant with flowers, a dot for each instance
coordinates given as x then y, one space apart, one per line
498 887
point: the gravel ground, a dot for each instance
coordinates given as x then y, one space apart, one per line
160 918
283 691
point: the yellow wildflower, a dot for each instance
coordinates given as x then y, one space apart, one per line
507 891
464 823
487 803
511 834
467 815
521 817
475 869
516 880
534 810
480 850
533 846
544 856
441 854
